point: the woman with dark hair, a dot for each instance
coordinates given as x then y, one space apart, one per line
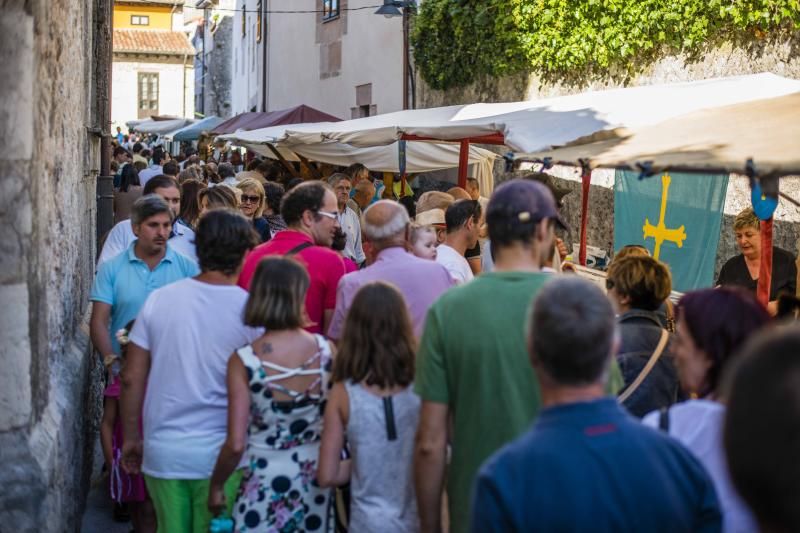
637 286
277 386
190 203
272 208
373 404
129 191
713 324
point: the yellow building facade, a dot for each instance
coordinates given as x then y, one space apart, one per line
144 15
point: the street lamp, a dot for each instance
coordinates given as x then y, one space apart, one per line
391 9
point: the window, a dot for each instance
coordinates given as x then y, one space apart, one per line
259 16
330 9
148 94
140 20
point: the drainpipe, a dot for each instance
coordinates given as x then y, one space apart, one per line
105 181
185 57
265 57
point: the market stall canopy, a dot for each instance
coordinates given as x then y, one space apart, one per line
420 157
547 123
192 132
161 127
719 140
253 120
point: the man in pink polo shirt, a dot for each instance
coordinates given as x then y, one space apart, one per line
420 281
310 212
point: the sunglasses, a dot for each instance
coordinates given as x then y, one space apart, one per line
609 284
247 199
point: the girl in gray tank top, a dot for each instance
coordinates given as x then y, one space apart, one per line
373 409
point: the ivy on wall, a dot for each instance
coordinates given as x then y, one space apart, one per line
455 41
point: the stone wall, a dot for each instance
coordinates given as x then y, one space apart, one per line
48 170
220 70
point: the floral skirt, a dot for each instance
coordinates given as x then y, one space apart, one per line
279 493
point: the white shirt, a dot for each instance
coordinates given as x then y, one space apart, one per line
191 329
697 424
352 229
121 236
150 172
455 263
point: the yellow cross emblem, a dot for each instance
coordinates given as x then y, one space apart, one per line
660 232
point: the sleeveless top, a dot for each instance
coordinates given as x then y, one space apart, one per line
381 436
284 424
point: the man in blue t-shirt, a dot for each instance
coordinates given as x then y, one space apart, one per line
586 465
123 283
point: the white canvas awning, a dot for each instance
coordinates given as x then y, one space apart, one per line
542 124
721 139
420 157
161 127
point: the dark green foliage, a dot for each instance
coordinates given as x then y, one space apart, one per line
456 41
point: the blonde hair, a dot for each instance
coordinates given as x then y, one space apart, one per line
253 184
746 219
434 200
458 193
646 281
418 230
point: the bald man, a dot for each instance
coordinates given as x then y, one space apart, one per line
385 225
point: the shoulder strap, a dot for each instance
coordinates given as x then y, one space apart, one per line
297 249
670 312
662 343
663 419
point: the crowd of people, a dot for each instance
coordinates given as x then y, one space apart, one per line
330 355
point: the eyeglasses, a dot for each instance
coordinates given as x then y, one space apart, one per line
332 216
246 199
609 284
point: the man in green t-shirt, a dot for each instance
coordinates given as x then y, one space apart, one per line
473 372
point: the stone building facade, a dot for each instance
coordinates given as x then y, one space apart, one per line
50 128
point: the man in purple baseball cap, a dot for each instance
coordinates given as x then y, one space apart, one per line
472 366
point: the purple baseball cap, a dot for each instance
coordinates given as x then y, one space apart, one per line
522 201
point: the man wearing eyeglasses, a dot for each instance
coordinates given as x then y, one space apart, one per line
311 214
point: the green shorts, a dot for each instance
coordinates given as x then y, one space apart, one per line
181 504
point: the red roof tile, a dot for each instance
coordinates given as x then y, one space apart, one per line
163 42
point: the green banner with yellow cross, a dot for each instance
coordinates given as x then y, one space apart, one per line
677 217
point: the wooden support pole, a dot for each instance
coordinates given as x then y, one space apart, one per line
388 183
586 181
311 167
286 164
463 163
765 268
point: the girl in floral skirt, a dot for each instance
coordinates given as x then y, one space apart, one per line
277 387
